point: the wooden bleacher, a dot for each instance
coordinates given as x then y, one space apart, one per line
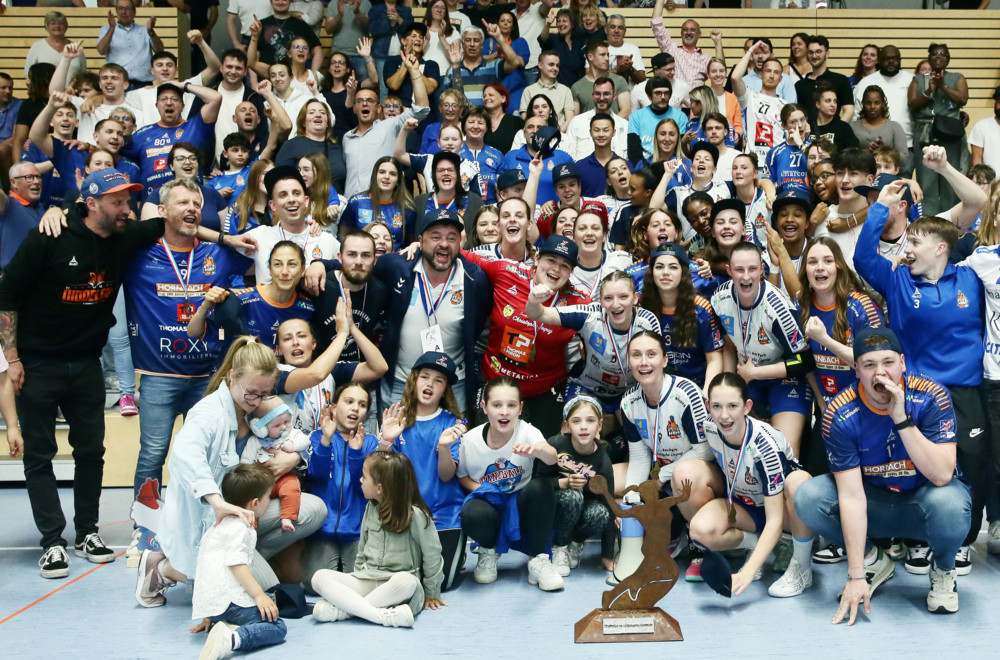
968 34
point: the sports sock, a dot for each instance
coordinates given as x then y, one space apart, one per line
749 541
802 552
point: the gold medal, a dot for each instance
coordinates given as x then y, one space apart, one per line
654 473
732 514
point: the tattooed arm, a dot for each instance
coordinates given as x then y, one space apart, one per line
8 335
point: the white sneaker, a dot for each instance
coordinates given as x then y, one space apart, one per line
397 617
486 566
543 573
132 552
560 559
943 596
219 643
793 582
993 538
575 551
323 612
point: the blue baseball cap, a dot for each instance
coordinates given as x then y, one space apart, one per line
106 181
880 182
565 171
510 178
560 246
669 249
437 361
791 196
876 339
441 217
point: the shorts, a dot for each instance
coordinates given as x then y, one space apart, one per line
756 514
609 405
771 397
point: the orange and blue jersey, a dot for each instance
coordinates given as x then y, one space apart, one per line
150 147
690 362
360 212
832 374
858 435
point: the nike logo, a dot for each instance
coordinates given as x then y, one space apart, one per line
974 432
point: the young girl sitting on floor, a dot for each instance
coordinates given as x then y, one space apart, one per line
398 568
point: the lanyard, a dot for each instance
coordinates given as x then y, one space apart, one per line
317 407
745 327
622 358
425 294
597 278
184 282
731 481
305 246
656 421
449 205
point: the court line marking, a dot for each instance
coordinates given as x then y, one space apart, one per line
55 591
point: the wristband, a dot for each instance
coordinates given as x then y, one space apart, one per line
13 361
905 424
849 578
221 239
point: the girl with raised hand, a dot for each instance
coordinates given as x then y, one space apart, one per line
397 572
761 475
582 454
425 426
338 452
506 505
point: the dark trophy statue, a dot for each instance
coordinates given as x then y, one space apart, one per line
628 612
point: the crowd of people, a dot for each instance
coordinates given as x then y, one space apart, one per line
419 298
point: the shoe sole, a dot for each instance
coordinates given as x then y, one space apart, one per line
96 559
534 582
917 570
53 574
827 560
141 579
693 578
211 644
963 570
942 609
484 580
797 593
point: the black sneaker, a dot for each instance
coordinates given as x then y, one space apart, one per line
54 562
92 549
831 554
918 558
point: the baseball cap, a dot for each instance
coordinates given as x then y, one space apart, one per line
439 362
791 196
546 140
441 217
717 573
729 203
875 339
669 249
510 178
702 145
560 246
169 87
565 171
280 173
880 182
406 28
108 180
661 59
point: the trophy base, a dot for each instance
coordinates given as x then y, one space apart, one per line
653 625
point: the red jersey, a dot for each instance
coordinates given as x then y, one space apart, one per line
530 352
546 222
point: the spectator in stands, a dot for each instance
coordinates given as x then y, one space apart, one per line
113 80
874 128
412 40
866 65
798 58
597 67
129 45
39 83
515 81
21 210
279 30
503 126
578 141
314 123
440 33
309 11
383 20
894 83
471 72
624 57
9 107
50 48
935 100
663 67
548 84
819 50
729 105
451 106
763 108
985 137
519 159
753 77
531 18
827 123
692 62
568 45
243 13
348 22
375 138
644 121
593 177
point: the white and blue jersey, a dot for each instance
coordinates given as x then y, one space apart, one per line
985 262
690 361
150 147
603 369
767 333
360 212
490 162
420 444
160 301
786 166
757 217
589 279
675 202
764 462
468 171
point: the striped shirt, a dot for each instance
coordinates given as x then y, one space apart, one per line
692 65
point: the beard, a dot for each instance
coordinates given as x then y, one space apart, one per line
355 278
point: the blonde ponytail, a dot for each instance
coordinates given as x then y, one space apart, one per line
245 355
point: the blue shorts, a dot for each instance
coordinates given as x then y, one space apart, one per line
779 395
756 513
609 404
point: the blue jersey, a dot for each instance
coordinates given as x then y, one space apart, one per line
832 375
67 161
420 444
786 166
213 207
335 476
250 312
53 186
857 436
690 362
151 145
490 162
235 180
158 308
359 213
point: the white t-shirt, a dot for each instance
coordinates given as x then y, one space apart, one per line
225 124
324 246
229 543
679 95
986 134
501 467
246 9
626 49
578 143
299 97
450 315
724 169
530 27
985 262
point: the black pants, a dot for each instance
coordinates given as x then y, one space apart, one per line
536 507
975 454
78 388
544 411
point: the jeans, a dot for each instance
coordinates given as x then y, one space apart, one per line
163 398
380 69
938 514
254 632
78 388
360 68
119 342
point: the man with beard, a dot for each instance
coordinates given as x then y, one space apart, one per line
644 120
985 137
73 278
235 89
894 83
20 211
256 131
597 67
578 142
818 50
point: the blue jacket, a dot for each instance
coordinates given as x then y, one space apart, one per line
334 476
951 354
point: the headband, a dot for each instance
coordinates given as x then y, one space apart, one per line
581 397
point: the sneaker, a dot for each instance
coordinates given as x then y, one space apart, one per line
219 643
397 617
896 550
831 554
693 572
127 407
132 552
575 551
92 548
54 562
611 580
963 560
486 566
993 538
794 581
323 612
918 558
560 559
543 573
783 553
150 585
879 572
680 545
943 596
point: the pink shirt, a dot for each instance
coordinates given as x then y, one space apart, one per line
692 65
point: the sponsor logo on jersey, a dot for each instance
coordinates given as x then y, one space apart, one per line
642 428
762 336
508 311
93 291
512 290
902 468
176 290
598 343
947 429
729 323
962 301
73 261
796 337
208 267
673 430
456 298
749 478
611 379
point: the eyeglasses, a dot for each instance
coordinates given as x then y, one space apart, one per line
29 177
939 53
185 159
300 47
366 101
392 106
250 397
823 176
450 106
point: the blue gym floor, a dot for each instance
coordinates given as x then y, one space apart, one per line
93 613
